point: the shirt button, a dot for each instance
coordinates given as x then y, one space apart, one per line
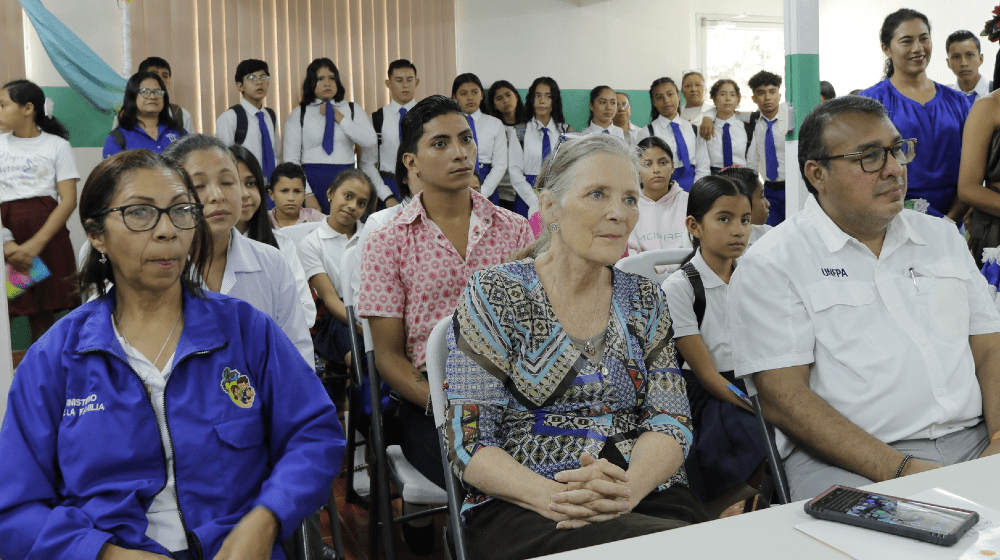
895 308
939 392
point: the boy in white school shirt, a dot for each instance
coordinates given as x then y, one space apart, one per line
965 56
249 123
379 163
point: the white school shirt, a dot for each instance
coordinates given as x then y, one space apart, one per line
714 329
696 145
528 161
982 88
738 134
291 255
225 130
632 134
491 138
756 158
31 167
886 339
382 157
257 274
756 232
304 143
612 130
322 250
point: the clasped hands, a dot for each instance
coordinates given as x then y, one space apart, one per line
595 492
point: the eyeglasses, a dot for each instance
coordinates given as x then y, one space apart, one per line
254 77
873 159
623 104
144 217
146 92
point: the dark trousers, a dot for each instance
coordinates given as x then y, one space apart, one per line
500 530
420 442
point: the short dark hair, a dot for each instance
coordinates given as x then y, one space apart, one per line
654 142
557 108
959 36
746 176
98 192
399 64
259 227
412 128
518 109
154 62
312 78
764 78
827 91
654 114
287 170
249 66
812 134
128 116
889 26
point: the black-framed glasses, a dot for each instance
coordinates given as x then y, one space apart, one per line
873 159
146 92
254 77
144 217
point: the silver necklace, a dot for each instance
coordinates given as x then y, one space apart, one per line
162 348
589 344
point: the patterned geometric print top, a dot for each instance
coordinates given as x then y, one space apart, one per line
516 381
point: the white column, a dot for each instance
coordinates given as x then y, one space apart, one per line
801 89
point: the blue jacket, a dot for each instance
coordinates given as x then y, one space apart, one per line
137 138
80 452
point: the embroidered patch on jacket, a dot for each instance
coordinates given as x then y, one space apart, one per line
238 387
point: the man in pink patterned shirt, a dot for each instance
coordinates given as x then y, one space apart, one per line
415 268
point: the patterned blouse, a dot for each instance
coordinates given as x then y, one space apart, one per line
515 381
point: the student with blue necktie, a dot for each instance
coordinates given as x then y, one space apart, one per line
732 136
379 163
249 123
603 108
320 134
767 149
690 151
489 133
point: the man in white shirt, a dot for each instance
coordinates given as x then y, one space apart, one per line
871 337
965 56
249 123
379 163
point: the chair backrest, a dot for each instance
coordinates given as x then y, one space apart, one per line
645 263
437 355
298 232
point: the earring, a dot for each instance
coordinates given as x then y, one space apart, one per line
553 227
104 259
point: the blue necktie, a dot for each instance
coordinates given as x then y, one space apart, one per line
472 125
266 147
973 96
328 132
770 153
727 146
546 143
606 131
402 113
682 147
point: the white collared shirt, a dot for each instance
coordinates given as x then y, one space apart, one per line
738 135
291 255
225 130
696 145
491 140
304 144
321 252
632 134
982 88
714 329
886 339
528 160
757 158
257 274
382 157
612 130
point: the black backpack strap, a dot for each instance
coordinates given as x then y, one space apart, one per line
242 124
377 118
650 129
748 128
351 105
119 137
694 277
274 118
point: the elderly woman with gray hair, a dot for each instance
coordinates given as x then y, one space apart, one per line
566 407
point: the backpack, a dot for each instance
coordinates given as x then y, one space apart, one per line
694 278
242 122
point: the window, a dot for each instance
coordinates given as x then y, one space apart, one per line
737 47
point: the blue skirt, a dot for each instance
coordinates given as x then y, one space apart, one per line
320 175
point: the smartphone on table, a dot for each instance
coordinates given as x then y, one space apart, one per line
889 514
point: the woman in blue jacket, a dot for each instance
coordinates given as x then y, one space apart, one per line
160 420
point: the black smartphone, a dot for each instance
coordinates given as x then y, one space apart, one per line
889 514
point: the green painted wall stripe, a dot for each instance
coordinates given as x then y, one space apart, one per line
802 88
88 127
576 106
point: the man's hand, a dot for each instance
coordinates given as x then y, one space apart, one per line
594 492
991 449
252 539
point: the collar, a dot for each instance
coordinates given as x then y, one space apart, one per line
250 109
481 207
552 126
665 122
327 232
598 128
899 231
240 258
708 276
730 120
475 116
395 107
197 334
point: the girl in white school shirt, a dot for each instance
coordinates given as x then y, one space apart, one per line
489 133
504 102
691 153
729 145
536 138
603 106
727 445
322 140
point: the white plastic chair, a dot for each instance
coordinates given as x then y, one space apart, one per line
298 232
645 263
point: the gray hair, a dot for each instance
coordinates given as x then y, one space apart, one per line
558 175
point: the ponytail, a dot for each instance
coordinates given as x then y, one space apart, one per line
23 92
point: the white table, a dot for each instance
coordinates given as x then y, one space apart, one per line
771 533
